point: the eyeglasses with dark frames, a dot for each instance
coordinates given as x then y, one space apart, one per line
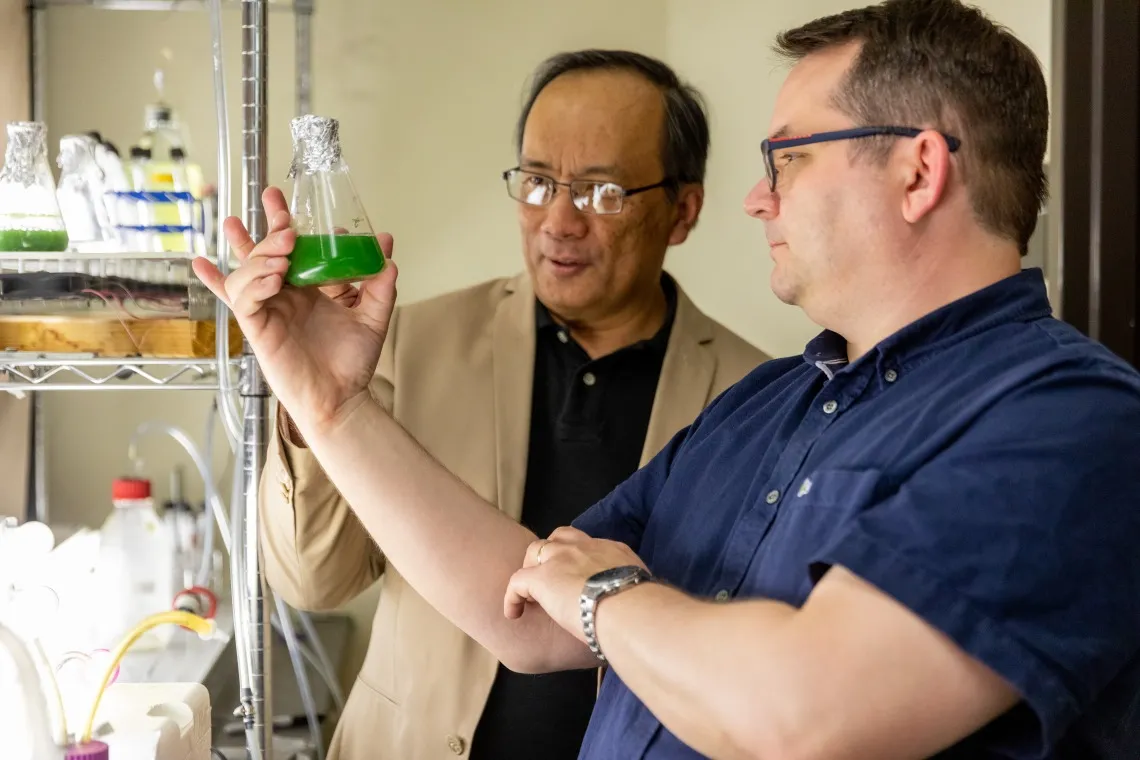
769 146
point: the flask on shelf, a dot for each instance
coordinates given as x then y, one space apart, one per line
335 241
30 219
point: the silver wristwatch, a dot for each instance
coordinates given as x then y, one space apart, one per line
598 587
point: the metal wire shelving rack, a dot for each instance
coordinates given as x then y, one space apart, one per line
34 372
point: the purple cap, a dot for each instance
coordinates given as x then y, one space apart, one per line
92 750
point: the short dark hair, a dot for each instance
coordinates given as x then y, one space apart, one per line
685 145
944 64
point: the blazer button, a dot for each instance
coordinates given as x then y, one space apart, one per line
456 745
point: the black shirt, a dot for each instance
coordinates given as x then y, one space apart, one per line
587 432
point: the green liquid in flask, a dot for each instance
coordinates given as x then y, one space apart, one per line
33 240
332 259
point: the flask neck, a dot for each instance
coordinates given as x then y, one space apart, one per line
77 157
315 157
316 145
26 148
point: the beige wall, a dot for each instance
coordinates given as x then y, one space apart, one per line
427 94
13 62
13 106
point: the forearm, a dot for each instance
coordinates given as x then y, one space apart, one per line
455 549
845 677
683 658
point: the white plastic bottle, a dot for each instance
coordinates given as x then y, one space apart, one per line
136 571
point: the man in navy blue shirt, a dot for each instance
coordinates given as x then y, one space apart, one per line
918 539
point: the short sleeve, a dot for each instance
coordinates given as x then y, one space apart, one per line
622 515
1020 542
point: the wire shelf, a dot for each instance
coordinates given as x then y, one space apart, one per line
295 6
48 372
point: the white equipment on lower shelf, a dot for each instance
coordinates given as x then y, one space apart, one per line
155 721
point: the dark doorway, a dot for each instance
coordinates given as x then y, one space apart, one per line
1095 171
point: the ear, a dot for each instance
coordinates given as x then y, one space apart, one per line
690 200
925 166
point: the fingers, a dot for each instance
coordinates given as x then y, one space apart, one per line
534 555
344 294
387 244
569 535
277 218
211 277
518 595
278 222
273 202
252 298
544 548
254 282
378 298
238 237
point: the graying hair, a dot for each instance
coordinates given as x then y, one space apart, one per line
685 147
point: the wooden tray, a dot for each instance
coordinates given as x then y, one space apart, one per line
153 338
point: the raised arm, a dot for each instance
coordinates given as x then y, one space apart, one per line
318 356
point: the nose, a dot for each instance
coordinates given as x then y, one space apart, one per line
562 220
762 202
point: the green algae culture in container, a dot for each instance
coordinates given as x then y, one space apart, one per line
335 240
29 211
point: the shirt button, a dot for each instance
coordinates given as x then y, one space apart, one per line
456 744
562 336
589 379
772 497
830 407
890 375
722 595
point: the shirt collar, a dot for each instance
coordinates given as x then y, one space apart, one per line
544 321
1019 298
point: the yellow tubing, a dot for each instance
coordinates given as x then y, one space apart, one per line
199 625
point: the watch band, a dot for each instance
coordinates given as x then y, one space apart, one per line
598 587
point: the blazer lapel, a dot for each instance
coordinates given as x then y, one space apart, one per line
686 377
512 357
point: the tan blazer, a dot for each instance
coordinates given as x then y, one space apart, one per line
457 373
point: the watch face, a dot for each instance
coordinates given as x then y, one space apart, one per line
613 574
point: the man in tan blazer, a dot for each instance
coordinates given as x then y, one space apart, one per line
541 392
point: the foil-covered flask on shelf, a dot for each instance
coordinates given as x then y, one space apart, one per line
30 219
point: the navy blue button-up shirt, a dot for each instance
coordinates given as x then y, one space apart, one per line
981 466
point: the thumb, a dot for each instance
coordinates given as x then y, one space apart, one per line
387 244
518 594
377 299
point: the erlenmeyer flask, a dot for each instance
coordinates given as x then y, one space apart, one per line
335 241
29 213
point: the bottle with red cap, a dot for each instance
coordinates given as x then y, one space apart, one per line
136 573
